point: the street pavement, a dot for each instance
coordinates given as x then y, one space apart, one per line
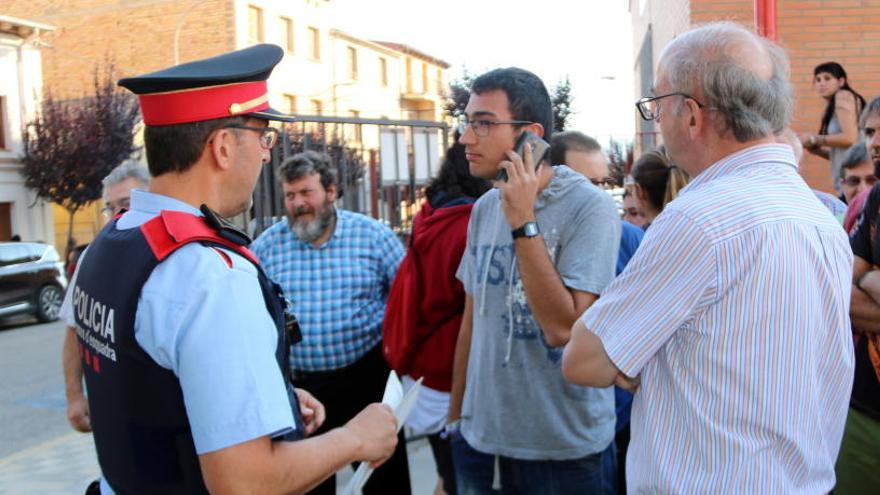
41 455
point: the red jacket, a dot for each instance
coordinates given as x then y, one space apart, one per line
440 236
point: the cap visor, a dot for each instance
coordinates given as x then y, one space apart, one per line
272 114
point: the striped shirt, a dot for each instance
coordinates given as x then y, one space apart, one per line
735 311
337 290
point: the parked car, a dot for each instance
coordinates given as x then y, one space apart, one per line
32 280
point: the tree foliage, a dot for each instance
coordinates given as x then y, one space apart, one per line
561 99
457 96
71 145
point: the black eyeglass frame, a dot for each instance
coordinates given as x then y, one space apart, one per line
486 124
262 130
647 114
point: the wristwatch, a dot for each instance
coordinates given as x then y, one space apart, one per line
529 229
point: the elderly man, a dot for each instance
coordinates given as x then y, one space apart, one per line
117 196
734 312
860 451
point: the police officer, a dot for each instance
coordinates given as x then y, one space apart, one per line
183 339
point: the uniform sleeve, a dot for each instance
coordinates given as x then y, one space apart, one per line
860 240
672 275
208 323
587 260
66 313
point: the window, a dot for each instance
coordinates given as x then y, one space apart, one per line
439 80
290 103
317 107
358 131
314 43
383 71
409 82
424 77
286 33
352 63
2 122
255 25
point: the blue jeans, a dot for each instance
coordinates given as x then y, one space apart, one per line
475 471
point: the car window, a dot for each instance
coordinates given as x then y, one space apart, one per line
11 254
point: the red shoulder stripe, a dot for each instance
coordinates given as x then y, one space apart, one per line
174 229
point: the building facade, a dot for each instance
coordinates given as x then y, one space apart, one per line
325 71
21 213
811 31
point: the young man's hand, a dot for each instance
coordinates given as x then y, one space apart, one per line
519 192
78 413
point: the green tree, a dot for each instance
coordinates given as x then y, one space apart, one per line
561 99
71 145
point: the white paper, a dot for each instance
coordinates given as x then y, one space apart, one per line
402 405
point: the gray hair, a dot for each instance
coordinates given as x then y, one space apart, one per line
856 155
713 62
129 169
870 108
307 163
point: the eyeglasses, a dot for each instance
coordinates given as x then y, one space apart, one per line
649 106
268 135
855 180
112 209
604 182
481 127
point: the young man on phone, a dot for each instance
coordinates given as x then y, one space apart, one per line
541 246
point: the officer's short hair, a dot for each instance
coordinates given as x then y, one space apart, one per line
307 163
129 169
176 148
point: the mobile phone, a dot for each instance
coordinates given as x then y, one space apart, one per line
540 148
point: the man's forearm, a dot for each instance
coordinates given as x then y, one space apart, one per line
460 361
72 365
279 467
551 303
864 311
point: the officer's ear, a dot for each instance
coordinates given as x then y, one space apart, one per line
222 147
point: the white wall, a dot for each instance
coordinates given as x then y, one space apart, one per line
21 87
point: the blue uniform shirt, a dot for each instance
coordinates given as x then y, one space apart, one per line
338 290
208 323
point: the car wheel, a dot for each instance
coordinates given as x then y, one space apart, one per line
49 301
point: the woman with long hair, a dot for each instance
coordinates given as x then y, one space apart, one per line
657 181
839 128
426 301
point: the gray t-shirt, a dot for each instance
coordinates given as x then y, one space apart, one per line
516 403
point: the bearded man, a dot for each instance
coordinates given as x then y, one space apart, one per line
336 266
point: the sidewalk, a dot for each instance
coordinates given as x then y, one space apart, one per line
67 464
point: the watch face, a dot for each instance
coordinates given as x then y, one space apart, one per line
531 229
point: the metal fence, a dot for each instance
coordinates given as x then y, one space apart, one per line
383 166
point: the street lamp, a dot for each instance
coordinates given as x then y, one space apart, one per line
180 21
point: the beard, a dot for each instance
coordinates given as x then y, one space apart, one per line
310 230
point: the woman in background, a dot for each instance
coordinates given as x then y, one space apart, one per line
427 301
657 181
839 128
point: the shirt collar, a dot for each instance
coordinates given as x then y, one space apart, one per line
748 157
153 204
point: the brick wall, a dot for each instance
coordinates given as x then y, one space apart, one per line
136 34
815 31
812 31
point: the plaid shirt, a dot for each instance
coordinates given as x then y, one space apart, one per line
338 290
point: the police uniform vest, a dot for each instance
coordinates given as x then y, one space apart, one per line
142 434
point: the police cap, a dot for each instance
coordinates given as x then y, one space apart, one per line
223 86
